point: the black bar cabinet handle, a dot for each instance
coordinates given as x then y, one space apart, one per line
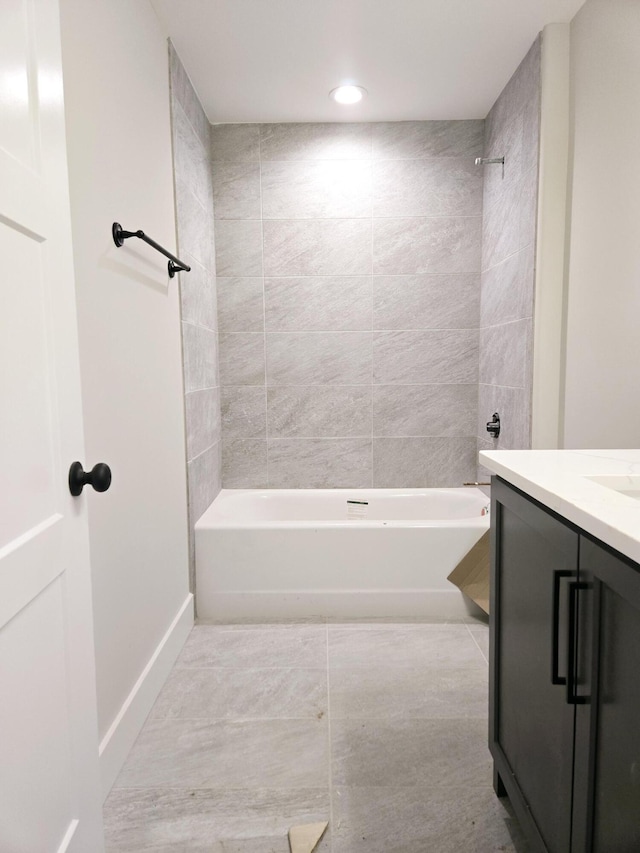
556 678
572 693
120 235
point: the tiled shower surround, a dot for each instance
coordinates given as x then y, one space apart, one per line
512 130
348 260
374 294
194 215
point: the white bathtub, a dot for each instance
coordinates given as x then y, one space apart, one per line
296 552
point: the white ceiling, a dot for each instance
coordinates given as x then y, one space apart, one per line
277 60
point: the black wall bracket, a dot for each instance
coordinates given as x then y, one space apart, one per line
120 235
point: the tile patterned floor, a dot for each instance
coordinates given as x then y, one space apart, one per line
379 727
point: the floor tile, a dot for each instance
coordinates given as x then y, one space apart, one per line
209 821
423 820
243 646
243 694
236 749
228 754
481 636
404 753
401 645
407 692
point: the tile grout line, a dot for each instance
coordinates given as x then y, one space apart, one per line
264 306
373 478
329 741
476 642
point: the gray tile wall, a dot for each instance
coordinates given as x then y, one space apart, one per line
348 260
194 203
512 130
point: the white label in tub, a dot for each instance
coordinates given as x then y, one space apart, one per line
357 509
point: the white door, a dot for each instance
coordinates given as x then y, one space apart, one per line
49 784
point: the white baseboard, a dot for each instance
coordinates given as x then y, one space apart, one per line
117 742
439 605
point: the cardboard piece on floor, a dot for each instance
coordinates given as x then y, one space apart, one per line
305 838
471 575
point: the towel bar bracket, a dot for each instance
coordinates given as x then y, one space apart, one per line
120 235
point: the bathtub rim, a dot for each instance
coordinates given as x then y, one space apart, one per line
207 520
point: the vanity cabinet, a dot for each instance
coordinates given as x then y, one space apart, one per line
564 680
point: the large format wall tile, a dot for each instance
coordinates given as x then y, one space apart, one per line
191 157
238 248
195 227
319 358
522 89
204 480
183 93
514 406
529 207
423 462
239 142
426 301
244 463
507 289
508 259
236 190
240 304
426 245
503 140
419 358
437 187
317 247
318 303
406 410
244 411
202 416
200 355
316 189
358 227
242 359
501 226
319 411
339 141
198 294
504 354
417 140
321 463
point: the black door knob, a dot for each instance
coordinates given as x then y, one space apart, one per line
99 477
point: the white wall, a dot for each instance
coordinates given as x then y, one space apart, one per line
602 386
549 316
119 143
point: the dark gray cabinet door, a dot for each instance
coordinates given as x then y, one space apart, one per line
607 804
531 721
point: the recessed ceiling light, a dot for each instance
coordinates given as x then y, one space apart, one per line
348 94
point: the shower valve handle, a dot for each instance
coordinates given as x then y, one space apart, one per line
493 426
99 477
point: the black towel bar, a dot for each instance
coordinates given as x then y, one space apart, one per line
120 235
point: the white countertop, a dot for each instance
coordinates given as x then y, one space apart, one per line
560 480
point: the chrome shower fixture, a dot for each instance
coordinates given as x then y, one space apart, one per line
488 161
